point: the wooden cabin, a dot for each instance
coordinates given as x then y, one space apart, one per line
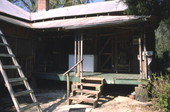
106 42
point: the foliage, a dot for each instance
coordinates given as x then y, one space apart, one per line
160 91
147 7
63 3
31 5
162 36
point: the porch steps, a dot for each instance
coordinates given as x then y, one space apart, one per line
88 90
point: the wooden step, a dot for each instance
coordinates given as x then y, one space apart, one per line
29 106
23 93
92 78
7 55
86 91
83 98
17 79
11 67
89 84
2 44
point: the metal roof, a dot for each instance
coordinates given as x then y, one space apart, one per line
84 9
13 10
72 23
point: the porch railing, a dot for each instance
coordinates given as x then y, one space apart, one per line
67 73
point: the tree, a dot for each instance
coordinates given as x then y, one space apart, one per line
28 5
162 36
31 5
147 7
64 3
161 9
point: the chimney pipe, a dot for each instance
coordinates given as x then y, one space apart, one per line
43 5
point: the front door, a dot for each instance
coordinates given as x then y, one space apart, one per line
114 54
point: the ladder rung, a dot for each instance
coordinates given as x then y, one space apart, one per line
23 93
7 55
1 34
29 106
2 44
16 83
11 67
17 79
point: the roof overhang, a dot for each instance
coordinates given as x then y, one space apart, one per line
100 21
46 20
77 23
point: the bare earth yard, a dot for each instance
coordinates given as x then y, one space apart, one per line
55 101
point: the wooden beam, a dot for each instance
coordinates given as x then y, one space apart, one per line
140 58
116 59
68 87
107 59
81 54
75 51
145 58
105 45
78 52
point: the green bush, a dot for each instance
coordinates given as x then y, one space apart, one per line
160 91
162 35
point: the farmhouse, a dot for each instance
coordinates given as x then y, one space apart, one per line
97 41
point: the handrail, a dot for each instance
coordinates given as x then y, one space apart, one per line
68 79
72 67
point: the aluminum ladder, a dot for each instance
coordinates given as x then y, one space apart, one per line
20 80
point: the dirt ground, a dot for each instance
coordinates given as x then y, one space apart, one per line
53 99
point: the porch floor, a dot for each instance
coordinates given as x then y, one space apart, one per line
110 78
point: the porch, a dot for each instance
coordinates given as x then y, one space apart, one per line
110 78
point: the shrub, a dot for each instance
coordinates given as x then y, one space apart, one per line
160 91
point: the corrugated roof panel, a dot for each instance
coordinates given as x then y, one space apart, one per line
87 22
93 8
8 8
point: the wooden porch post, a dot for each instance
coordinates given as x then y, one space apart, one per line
75 51
68 86
140 58
145 59
116 61
81 54
78 51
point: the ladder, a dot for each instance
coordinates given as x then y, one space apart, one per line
20 80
